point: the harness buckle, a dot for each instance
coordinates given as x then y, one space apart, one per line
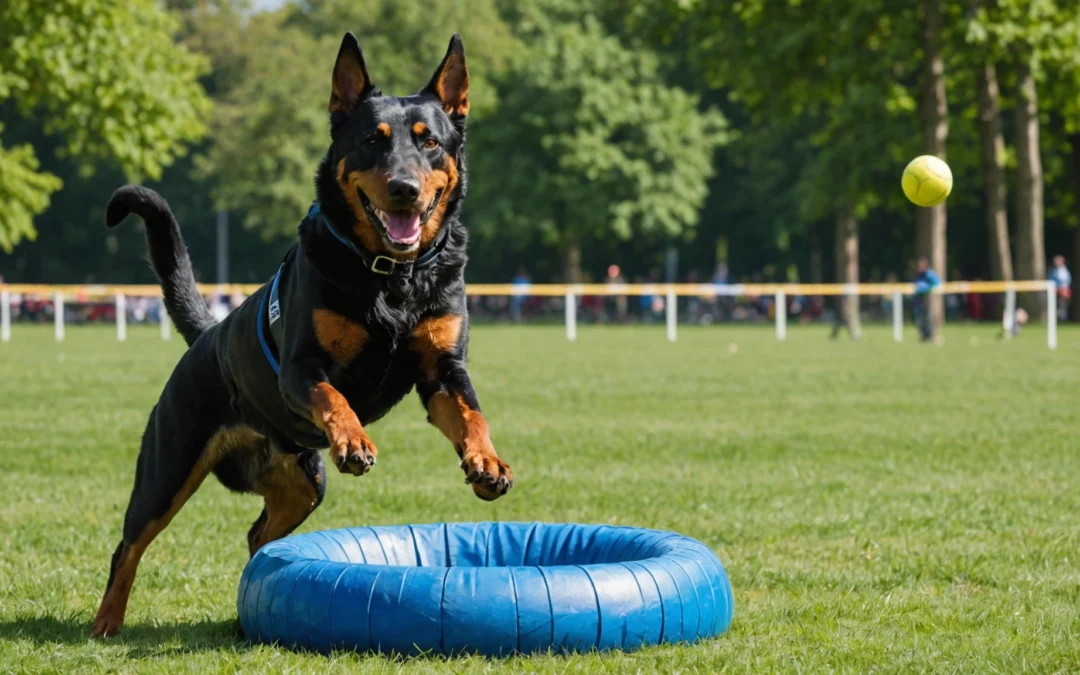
384 269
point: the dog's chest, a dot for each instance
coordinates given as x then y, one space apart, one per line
378 377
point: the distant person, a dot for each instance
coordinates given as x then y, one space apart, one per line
842 319
723 302
1063 281
925 282
520 282
615 278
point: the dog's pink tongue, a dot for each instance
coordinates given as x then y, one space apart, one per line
403 226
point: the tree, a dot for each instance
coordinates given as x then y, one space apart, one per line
1035 34
930 228
847 268
1058 94
993 163
992 141
828 68
588 141
1030 250
105 76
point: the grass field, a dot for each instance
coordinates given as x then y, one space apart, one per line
878 506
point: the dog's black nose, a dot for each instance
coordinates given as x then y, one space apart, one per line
403 190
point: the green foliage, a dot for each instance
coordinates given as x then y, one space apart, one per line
829 68
596 124
270 127
403 42
24 192
589 140
105 76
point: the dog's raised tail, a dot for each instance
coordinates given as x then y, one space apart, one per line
168 254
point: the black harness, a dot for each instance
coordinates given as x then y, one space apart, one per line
398 273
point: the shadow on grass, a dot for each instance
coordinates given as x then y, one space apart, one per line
139 640
178 638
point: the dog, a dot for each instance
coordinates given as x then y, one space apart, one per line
367 304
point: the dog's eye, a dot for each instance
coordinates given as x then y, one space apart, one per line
373 140
431 143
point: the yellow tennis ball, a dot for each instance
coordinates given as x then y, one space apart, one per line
927 181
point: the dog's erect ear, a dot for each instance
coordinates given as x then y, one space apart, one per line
451 81
351 81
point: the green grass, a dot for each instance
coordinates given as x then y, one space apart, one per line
878 506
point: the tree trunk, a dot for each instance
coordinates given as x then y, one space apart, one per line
847 264
1030 250
572 243
930 223
573 262
993 166
1074 263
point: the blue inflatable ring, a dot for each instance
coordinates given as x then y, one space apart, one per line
487 588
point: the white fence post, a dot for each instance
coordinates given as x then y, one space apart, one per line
672 314
5 316
571 316
1051 316
121 317
1010 312
58 315
164 324
898 316
781 315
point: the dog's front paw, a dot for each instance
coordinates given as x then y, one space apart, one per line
489 476
108 621
352 451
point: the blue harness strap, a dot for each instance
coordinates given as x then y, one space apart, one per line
272 314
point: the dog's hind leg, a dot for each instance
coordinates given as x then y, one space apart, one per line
292 486
176 456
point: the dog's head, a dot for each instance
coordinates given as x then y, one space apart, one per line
397 159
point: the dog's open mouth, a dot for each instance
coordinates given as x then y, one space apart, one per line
401 229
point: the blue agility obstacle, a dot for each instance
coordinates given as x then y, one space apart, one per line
488 588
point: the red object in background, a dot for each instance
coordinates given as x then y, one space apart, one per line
101 311
592 302
975 306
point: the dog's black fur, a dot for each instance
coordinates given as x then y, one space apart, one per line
350 344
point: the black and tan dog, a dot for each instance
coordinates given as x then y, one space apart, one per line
368 303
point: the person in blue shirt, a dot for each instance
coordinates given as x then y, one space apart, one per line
517 301
1063 283
925 282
